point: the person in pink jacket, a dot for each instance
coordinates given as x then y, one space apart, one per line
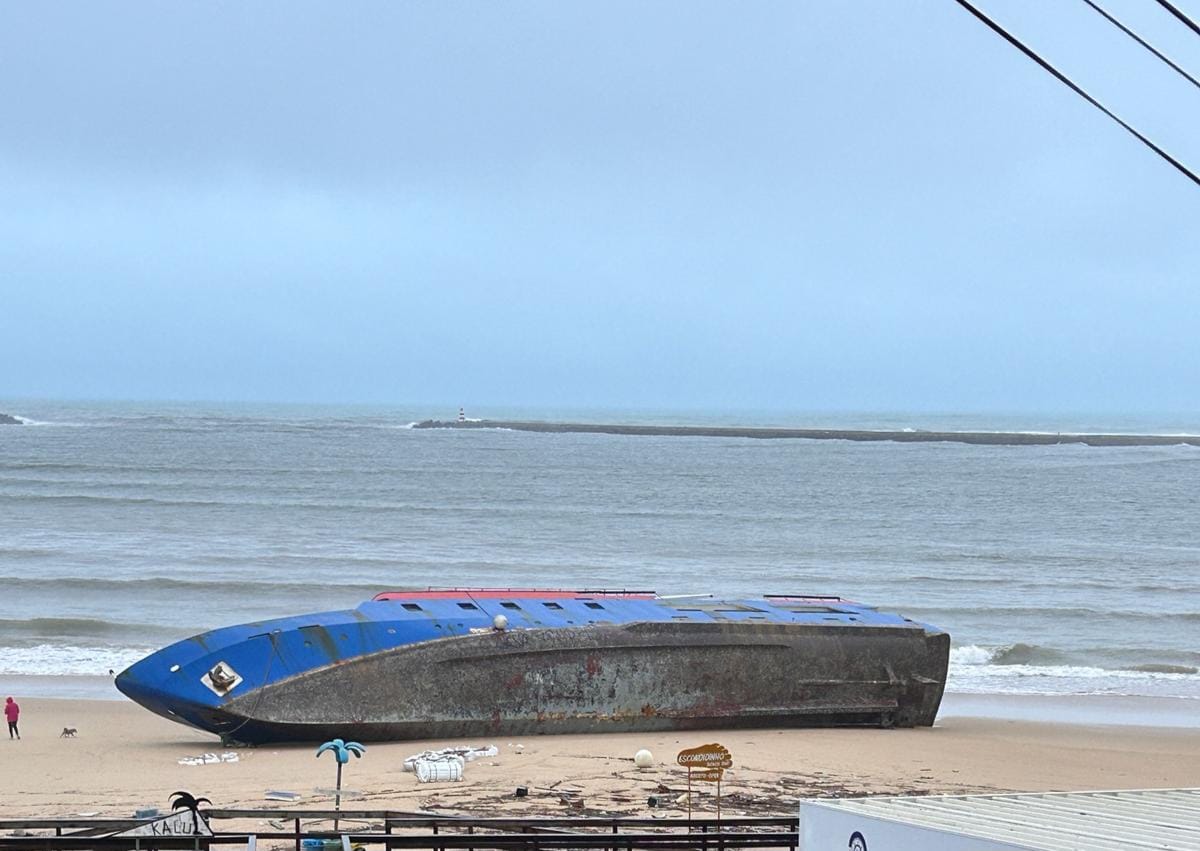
12 712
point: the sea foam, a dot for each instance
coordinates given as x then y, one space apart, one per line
68 660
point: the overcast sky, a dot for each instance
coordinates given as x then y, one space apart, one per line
818 205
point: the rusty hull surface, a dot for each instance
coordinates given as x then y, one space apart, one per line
609 677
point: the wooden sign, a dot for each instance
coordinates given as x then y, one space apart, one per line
705 756
707 762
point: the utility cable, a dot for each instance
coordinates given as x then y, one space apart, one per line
1144 44
1174 10
1011 39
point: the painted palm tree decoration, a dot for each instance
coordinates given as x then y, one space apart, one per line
188 801
341 751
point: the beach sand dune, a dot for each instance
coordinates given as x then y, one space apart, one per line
125 758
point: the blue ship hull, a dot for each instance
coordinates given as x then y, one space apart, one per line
437 664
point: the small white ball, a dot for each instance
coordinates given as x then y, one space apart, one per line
500 622
643 758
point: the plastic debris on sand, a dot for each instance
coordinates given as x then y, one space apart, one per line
209 758
439 771
464 754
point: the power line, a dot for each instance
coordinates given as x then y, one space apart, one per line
1177 13
1015 42
1144 44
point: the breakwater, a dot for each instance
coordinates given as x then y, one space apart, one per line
980 438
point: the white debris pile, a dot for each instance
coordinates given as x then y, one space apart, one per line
209 758
446 764
462 755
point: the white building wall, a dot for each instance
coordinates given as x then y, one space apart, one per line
830 829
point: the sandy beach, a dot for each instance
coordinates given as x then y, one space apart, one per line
126 758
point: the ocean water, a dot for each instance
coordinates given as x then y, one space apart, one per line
1057 570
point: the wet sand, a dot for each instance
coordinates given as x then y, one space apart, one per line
125 758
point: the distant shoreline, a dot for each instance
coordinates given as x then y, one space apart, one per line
979 438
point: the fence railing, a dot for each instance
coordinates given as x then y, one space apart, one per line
389 829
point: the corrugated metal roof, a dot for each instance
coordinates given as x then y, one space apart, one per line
1162 819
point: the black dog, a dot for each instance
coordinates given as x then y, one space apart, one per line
68 733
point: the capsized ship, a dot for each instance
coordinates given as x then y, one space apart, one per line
476 662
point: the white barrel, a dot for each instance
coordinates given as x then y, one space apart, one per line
439 771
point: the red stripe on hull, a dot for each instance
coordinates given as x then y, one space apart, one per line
508 594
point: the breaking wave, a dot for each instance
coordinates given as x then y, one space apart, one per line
1031 669
68 660
1155 668
1033 655
1032 660
29 421
1027 654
